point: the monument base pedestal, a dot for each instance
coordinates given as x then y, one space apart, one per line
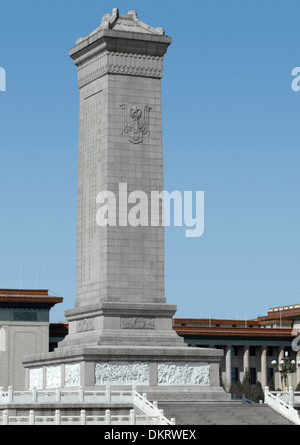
122 345
164 373
121 324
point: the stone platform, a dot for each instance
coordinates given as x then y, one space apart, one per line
124 345
164 373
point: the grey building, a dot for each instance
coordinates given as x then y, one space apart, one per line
24 329
249 345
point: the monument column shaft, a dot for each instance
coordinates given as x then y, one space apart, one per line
121 330
121 263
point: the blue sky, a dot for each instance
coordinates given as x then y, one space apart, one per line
231 124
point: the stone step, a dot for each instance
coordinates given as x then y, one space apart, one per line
223 414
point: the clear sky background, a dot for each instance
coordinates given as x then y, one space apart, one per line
231 127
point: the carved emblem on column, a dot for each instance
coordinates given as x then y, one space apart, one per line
135 122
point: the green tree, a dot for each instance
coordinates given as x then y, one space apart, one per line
257 392
236 389
271 384
246 386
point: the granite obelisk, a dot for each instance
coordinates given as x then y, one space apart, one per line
120 331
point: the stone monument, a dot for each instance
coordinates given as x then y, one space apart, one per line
120 331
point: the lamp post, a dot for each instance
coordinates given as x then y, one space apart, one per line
286 367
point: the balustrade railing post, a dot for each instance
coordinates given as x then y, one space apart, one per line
266 392
34 395
83 417
132 417
81 394
10 394
107 417
145 395
5 417
173 421
58 395
161 415
57 417
291 392
31 417
108 394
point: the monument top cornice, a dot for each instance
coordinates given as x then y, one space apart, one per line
121 33
129 23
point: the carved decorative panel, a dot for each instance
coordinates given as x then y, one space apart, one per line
72 374
87 324
137 323
122 373
36 378
53 376
181 373
110 62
